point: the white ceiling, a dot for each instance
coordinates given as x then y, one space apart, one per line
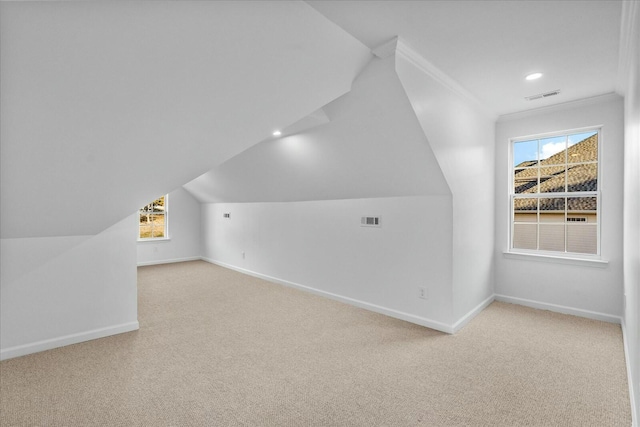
373 146
123 101
489 46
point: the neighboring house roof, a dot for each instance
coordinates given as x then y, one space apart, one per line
579 177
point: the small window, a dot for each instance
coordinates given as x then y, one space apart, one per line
555 193
153 219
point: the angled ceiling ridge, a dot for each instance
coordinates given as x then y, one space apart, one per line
386 49
434 72
308 122
372 141
628 20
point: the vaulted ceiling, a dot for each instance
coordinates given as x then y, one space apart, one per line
372 146
106 105
489 46
482 48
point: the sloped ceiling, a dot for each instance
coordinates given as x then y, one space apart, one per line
373 146
488 46
106 105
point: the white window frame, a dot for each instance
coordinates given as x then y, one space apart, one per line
166 223
547 254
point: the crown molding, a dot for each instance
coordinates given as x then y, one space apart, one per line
598 99
438 75
628 21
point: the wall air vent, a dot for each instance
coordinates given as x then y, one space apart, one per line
370 221
542 95
226 215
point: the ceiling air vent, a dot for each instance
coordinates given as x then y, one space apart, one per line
370 221
226 215
542 95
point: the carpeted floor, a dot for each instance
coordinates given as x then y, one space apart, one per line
218 348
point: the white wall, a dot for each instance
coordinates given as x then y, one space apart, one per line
104 106
372 158
56 291
375 146
578 287
631 210
320 245
462 138
184 233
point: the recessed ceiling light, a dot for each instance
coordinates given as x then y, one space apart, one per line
276 133
533 76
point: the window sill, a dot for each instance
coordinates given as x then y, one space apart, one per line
157 240
585 262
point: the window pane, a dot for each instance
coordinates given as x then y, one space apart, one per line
582 233
525 236
552 209
584 206
582 238
552 150
583 177
157 220
158 205
525 180
151 226
158 226
583 147
145 231
552 179
525 153
525 206
552 237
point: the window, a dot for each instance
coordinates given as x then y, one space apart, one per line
153 219
555 196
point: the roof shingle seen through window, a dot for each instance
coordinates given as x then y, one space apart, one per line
579 176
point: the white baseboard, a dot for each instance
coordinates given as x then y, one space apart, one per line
22 350
422 321
560 309
625 344
169 261
473 313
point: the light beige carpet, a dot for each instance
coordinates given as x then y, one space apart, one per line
218 348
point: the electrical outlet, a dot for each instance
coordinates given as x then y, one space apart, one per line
422 292
242 254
